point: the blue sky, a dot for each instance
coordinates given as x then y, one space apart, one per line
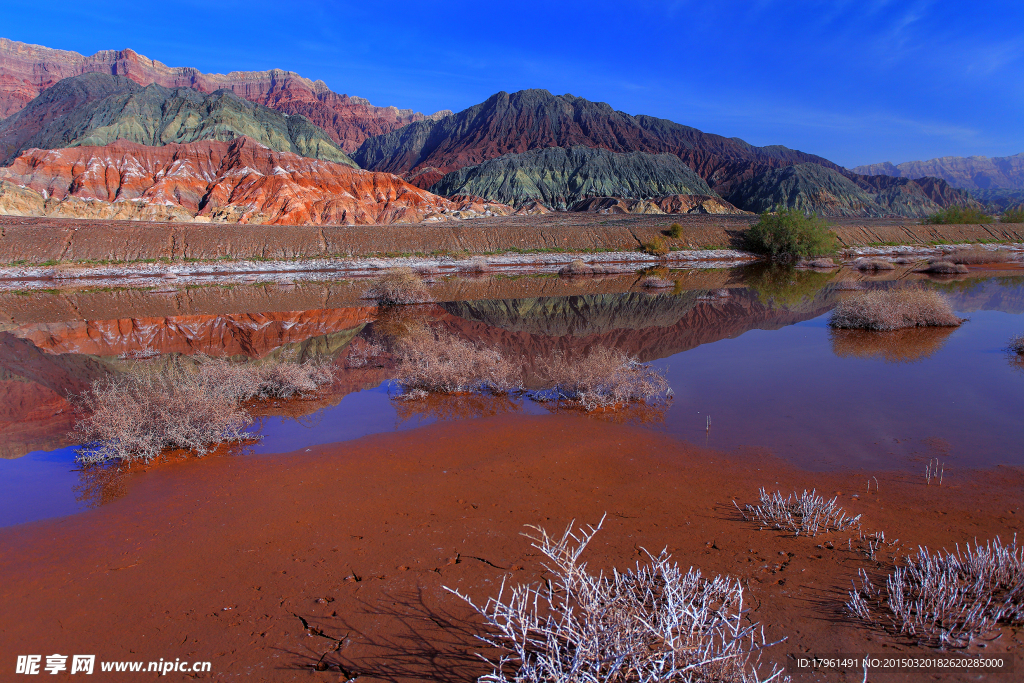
854 81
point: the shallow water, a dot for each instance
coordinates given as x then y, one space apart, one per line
751 366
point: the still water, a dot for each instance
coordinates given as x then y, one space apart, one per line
751 365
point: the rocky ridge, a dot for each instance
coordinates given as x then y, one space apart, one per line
972 173
425 151
562 178
816 189
27 70
96 109
238 181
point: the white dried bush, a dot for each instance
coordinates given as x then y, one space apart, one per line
193 404
399 286
436 361
894 309
946 599
651 623
604 378
808 514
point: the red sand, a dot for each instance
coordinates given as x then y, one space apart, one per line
223 558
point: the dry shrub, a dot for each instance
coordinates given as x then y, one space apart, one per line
893 346
183 404
805 514
478 265
605 378
943 268
652 623
575 269
655 282
893 309
399 286
437 362
875 264
978 254
946 599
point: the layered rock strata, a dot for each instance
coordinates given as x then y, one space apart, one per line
239 181
27 70
98 109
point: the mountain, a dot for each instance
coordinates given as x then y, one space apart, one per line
96 109
423 152
971 173
561 178
238 181
814 188
27 70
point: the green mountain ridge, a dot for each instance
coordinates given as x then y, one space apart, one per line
561 178
96 109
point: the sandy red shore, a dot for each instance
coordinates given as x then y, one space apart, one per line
228 558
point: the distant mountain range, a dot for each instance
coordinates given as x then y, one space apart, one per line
969 173
519 149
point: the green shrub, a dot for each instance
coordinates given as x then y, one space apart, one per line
655 247
789 234
958 215
1014 215
675 231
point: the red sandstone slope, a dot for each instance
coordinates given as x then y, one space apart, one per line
238 181
26 70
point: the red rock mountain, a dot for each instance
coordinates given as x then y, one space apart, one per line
238 181
27 70
535 119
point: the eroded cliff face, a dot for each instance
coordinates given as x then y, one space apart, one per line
239 181
27 70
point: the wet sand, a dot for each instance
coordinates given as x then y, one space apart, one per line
230 558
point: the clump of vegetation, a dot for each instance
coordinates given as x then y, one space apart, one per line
790 234
805 514
478 265
655 247
894 309
1014 215
191 404
977 254
575 269
434 361
675 231
605 378
651 623
399 286
958 215
946 599
942 267
875 264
